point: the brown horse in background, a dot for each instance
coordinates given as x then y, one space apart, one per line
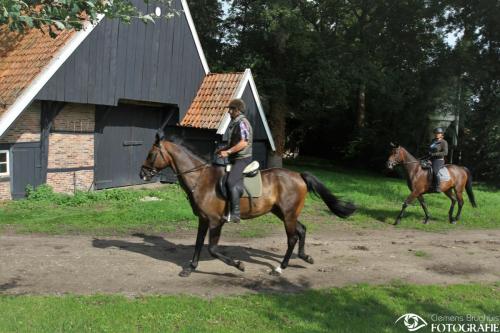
283 193
419 183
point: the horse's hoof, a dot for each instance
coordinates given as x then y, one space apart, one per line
276 271
308 259
453 222
186 272
426 221
240 265
397 222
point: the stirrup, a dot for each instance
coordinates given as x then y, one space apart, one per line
229 218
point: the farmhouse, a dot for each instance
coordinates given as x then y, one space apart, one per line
80 111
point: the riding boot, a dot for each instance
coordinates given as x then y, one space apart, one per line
436 182
234 196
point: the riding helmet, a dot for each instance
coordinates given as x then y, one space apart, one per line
238 104
438 130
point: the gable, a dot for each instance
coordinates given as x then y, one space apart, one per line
253 115
209 108
160 62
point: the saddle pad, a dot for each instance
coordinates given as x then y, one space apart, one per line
253 185
444 174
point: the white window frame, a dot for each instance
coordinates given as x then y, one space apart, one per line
7 161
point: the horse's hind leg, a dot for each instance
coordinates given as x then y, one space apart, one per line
460 200
450 195
301 232
424 207
200 239
212 249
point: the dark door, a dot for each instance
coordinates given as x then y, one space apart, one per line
26 168
124 135
260 153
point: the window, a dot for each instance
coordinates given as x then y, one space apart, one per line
4 162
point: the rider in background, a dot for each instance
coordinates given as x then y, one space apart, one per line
239 152
437 151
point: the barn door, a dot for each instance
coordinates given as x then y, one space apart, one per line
124 135
26 168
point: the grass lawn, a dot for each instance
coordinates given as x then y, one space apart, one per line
121 211
359 308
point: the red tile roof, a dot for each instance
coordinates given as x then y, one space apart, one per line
210 104
22 58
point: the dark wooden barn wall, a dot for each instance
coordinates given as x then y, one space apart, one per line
259 132
146 62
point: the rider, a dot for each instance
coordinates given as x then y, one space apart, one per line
239 151
437 151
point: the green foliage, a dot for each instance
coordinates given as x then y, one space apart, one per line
207 15
45 194
358 308
348 77
114 211
59 15
476 64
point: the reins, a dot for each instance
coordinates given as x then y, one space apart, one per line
196 168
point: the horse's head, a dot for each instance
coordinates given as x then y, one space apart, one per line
396 157
158 159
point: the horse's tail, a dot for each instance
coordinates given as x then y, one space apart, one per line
338 207
468 188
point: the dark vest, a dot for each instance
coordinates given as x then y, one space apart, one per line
235 137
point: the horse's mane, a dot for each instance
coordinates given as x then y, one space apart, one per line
186 147
408 153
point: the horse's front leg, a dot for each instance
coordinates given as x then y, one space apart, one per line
407 202
200 239
215 231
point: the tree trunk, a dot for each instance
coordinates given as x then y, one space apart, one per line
277 123
361 111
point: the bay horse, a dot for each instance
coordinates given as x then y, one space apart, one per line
283 194
419 183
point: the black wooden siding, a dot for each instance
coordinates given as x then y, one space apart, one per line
253 115
145 62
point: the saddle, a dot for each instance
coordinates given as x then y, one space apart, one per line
252 181
444 174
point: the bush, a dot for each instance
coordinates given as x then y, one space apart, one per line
45 193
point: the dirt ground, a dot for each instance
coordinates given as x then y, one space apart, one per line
142 264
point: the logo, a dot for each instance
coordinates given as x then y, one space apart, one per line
413 322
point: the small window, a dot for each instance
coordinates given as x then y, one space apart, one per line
4 162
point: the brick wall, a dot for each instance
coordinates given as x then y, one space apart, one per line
68 150
68 182
26 128
5 190
71 146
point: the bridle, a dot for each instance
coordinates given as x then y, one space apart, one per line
153 171
398 161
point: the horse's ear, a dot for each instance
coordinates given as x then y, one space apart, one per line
160 135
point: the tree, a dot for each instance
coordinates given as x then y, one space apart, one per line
19 15
477 59
270 38
208 18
